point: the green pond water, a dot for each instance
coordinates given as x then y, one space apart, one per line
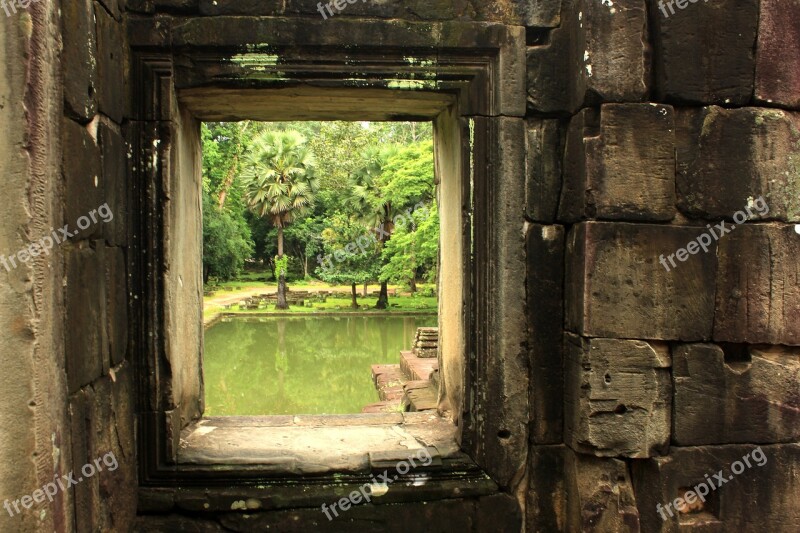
301 365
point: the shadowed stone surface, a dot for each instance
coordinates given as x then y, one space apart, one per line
617 397
705 52
620 164
760 498
758 286
79 60
545 151
616 287
778 53
727 158
719 401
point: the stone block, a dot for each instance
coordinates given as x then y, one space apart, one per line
778 53
546 498
111 59
600 496
764 496
114 446
79 59
726 398
117 304
619 164
704 53
617 287
599 53
113 7
758 285
727 158
554 67
84 187
114 165
618 397
86 343
86 495
545 150
545 293
615 51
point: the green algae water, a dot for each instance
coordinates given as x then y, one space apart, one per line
301 365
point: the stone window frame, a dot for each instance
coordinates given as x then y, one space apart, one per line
480 67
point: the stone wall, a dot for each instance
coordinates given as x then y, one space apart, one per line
649 368
676 364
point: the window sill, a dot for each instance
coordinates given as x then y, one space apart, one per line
315 445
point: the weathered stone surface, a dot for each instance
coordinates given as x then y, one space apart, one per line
515 12
616 286
545 151
546 498
554 67
721 400
113 7
545 292
615 51
759 498
704 53
79 59
117 304
600 496
617 397
83 181
85 326
115 179
498 512
86 495
729 157
111 58
778 53
598 53
619 164
758 285
498 436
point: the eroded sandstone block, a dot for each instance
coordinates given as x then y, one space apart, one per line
545 150
725 399
84 187
618 397
704 53
79 59
111 57
598 53
778 53
545 293
600 495
764 496
616 285
727 158
758 285
620 164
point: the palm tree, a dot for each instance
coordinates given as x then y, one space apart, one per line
280 184
368 201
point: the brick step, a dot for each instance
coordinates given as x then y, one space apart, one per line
417 368
382 407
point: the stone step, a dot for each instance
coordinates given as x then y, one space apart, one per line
419 396
382 407
416 368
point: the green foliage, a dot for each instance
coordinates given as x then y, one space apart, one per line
279 177
413 250
351 254
281 265
226 242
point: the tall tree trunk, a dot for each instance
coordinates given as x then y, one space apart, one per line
282 304
383 299
228 183
413 283
355 302
366 286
